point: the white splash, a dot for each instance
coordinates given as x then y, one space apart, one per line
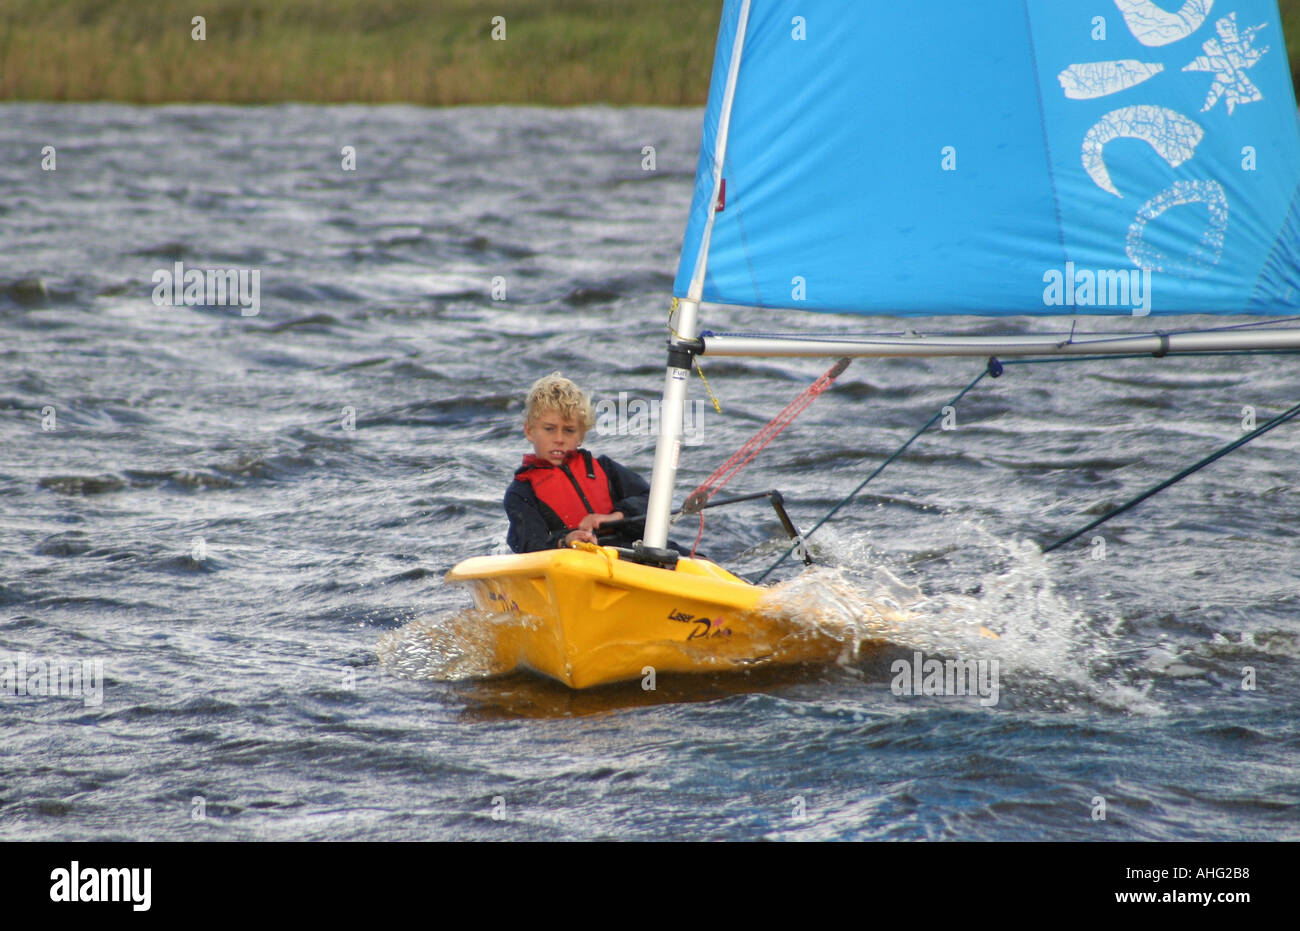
1048 649
461 645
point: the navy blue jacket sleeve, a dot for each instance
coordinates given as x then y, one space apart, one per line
530 529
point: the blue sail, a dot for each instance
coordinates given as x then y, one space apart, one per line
1000 157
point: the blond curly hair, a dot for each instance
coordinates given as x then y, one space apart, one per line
555 393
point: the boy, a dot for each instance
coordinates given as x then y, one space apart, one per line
562 494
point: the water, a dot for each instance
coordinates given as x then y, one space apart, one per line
262 584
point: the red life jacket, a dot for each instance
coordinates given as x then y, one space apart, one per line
563 488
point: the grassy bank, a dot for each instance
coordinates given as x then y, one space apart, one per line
334 51
370 51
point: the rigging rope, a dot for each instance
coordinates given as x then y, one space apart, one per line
994 368
743 456
991 369
1218 454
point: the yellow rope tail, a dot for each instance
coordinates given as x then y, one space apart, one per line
699 368
712 397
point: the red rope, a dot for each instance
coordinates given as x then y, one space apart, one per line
699 536
743 456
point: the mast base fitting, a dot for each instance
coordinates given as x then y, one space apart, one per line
682 351
650 556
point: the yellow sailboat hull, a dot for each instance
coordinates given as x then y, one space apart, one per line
586 617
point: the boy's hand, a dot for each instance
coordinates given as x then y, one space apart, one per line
593 521
579 536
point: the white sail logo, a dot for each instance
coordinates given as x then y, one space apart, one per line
1153 26
1228 58
1172 135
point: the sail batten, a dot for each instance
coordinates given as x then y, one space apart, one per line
1017 157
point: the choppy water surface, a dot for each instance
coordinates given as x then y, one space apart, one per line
184 502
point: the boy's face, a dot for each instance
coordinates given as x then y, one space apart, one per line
553 437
